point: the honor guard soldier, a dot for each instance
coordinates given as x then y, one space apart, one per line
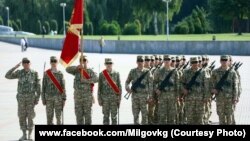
224 83
208 103
141 89
239 84
109 92
152 62
166 84
53 92
83 94
147 62
195 89
28 94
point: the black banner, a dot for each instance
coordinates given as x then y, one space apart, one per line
79 132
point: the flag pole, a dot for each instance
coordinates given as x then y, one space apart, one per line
81 40
81 33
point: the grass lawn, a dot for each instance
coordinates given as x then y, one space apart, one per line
189 37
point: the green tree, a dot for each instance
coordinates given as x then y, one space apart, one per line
19 23
197 23
14 25
38 29
54 25
47 26
1 20
131 28
230 10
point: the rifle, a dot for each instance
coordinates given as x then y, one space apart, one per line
212 67
193 80
157 67
165 82
184 66
237 66
221 82
137 84
212 64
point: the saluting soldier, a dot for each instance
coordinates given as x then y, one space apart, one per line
53 92
195 89
83 95
109 92
28 94
166 84
141 92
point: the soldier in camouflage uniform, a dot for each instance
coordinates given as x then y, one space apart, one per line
52 98
173 62
228 96
195 94
142 94
83 94
107 97
180 119
167 96
155 96
152 61
157 62
239 87
178 62
147 62
199 61
208 103
160 60
28 94
151 105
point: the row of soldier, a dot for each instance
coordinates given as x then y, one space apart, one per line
165 91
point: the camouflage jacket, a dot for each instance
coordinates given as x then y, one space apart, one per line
49 89
28 82
104 89
200 89
174 83
230 88
239 84
134 74
84 84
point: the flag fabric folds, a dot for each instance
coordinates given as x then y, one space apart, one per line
72 41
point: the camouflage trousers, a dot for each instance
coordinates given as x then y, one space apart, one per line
110 108
139 104
194 111
225 110
54 105
181 115
152 111
208 112
167 109
83 107
26 112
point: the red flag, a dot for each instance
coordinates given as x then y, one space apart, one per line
72 40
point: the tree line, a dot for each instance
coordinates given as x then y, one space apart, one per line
117 17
